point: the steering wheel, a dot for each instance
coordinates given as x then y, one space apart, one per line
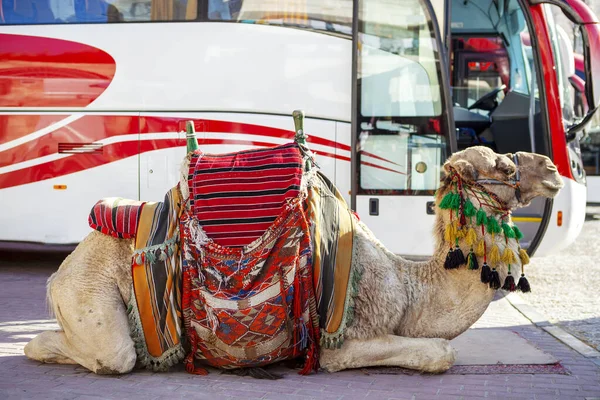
487 101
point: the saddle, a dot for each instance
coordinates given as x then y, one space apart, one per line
256 267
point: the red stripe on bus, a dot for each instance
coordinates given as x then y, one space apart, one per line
47 72
92 128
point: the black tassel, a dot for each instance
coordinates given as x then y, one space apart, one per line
523 284
509 283
460 257
486 273
494 279
472 260
449 263
454 259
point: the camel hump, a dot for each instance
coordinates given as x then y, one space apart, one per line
116 217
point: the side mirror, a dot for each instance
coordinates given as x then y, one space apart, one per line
589 26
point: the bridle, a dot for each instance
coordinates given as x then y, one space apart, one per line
515 182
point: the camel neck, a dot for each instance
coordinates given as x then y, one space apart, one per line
446 302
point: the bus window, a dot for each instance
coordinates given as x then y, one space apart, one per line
96 11
333 16
401 143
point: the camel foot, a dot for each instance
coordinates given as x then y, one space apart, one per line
422 354
46 347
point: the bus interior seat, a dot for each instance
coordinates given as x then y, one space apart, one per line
26 12
510 125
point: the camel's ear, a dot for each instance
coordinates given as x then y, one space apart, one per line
465 169
505 166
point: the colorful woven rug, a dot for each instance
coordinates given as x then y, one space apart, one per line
155 306
116 217
237 196
252 302
252 306
335 275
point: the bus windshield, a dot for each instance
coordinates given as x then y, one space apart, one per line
401 139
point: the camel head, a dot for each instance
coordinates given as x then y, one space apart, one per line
475 200
514 178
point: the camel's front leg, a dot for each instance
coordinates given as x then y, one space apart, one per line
428 355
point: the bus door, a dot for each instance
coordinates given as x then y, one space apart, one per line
503 97
403 131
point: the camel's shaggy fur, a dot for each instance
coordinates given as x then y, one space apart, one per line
405 312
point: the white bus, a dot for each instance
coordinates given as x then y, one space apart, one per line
94 96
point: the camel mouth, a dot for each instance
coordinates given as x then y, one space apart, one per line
553 187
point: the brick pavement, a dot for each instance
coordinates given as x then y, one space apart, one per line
22 315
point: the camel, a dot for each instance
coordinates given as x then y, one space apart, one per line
405 312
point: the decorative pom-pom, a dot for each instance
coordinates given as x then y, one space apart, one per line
449 234
454 259
446 202
508 256
509 283
480 249
486 273
508 231
472 260
517 231
469 209
163 255
481 217
523 284
493 226
495 255
471 237
524 256
455 205
494 279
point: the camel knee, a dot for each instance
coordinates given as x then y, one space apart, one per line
120 362
48 347
438 357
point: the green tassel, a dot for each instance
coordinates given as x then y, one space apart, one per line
517 231
481 217
469 209
446 202
493 226
455 201
472 260
508 231
151 257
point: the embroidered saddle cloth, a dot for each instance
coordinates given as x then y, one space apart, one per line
251 300
237 196
254 305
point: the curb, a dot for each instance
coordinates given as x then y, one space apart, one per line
542 322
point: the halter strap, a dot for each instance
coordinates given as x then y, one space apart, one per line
514 182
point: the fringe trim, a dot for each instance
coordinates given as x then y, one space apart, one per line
165 249
335 340
172 356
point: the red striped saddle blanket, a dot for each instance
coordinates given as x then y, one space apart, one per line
237 196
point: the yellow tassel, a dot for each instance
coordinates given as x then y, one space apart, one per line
524 256
508 256
455 226
449 234
494 255
460 233
471 237
480 249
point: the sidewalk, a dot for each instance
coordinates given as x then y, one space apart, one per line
23 314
